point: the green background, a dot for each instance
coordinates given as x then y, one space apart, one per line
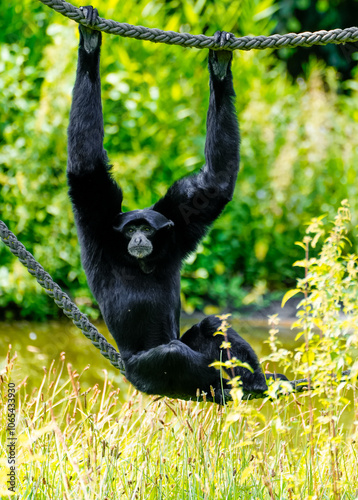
297 109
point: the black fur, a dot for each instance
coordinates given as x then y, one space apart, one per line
142 309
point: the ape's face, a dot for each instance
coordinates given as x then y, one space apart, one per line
139 236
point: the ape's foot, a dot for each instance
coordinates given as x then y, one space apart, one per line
276 376
91 38
220 59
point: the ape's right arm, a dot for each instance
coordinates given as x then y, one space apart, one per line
95 196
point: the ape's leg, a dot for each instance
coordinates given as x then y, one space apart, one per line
173 370
181 367
201 338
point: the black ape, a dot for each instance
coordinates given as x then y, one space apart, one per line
133 260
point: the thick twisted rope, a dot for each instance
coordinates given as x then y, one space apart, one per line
306 39
90 331
61 298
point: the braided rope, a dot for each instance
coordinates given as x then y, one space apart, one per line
306 39
90 331
61 298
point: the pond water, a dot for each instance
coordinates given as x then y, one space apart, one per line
37 344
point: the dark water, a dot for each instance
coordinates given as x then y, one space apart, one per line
37 344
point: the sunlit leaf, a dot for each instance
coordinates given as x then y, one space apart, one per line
288 295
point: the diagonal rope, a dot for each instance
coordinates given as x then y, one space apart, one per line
306 39
61 298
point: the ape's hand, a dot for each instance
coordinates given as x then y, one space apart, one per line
220 60
89 38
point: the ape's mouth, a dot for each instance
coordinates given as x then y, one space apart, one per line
140 252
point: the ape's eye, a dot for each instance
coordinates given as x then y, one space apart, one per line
147 229
130 231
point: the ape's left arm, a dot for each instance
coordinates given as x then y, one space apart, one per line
194 202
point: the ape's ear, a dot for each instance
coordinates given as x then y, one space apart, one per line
167 225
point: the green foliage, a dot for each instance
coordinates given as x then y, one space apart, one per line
299 145
305 15
99 442
327 319
328 314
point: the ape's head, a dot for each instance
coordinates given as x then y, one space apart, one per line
140 228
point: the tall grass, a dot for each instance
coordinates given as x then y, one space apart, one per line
96 443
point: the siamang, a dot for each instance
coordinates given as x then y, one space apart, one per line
132 259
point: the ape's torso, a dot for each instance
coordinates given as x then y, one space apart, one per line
141 310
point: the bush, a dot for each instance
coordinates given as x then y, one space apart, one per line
299 146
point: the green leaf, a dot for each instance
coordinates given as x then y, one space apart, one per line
300 263
299 335
288 295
